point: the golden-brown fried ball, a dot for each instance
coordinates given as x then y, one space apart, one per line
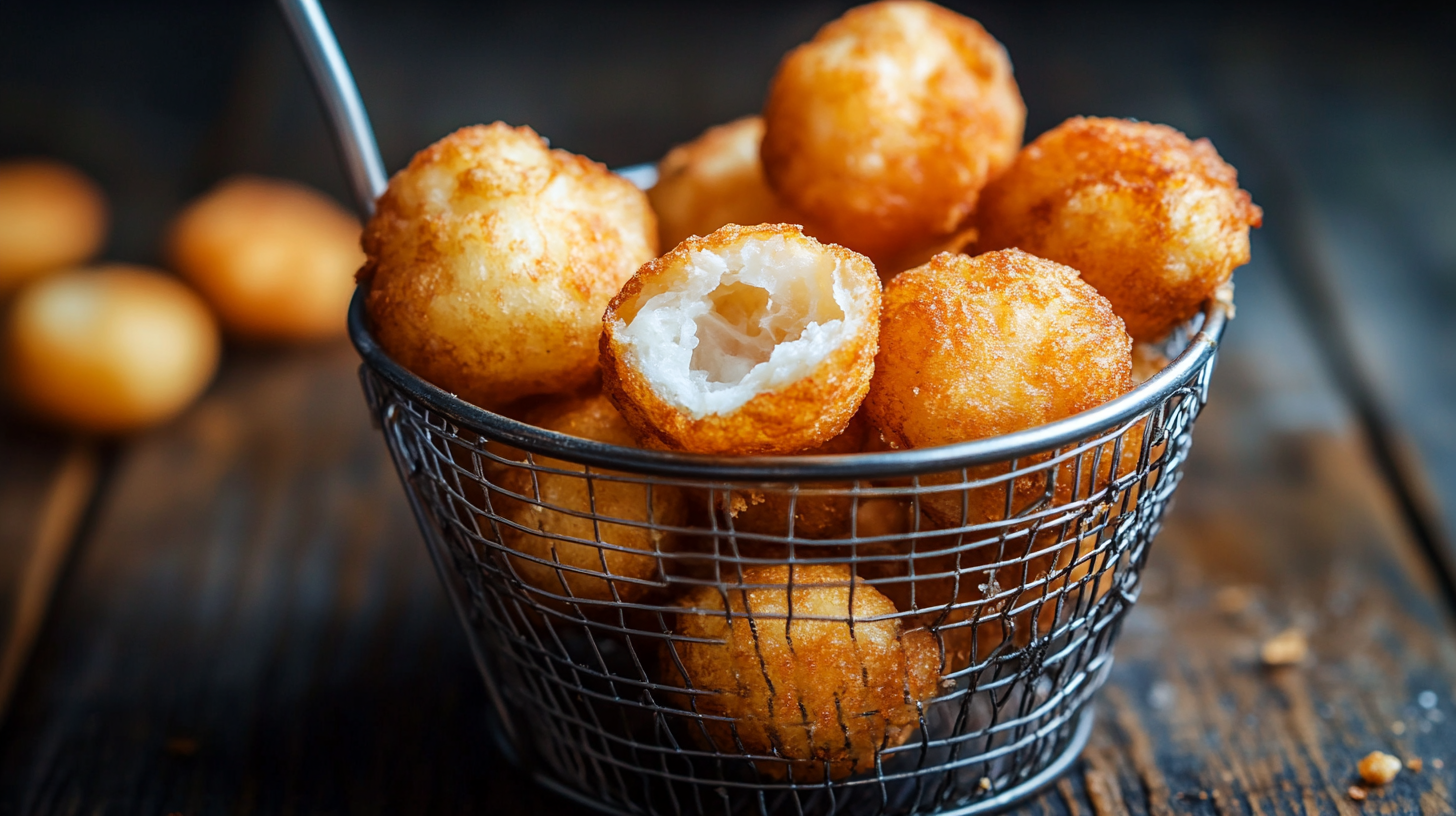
51 217
276 260
111 349
752 340
885 126
990 345
811 691
715 179
491 258
604 571
1156 222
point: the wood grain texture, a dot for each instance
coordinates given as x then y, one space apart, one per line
47 481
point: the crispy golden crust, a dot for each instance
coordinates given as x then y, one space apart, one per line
108 350
978 347
812 692
588 417
713 180
51 217
885 126
1156 222
491 258
804 413
275 260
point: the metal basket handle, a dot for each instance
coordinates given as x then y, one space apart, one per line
340 97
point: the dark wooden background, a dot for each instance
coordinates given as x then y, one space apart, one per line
234 613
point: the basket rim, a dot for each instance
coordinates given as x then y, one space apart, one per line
1201 348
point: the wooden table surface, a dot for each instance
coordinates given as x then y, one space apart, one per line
234 613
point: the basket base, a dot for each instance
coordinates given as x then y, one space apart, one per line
1003 801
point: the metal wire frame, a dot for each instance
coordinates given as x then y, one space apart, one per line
573 564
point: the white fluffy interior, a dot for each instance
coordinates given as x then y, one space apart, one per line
737 323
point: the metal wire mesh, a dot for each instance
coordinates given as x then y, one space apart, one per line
668 640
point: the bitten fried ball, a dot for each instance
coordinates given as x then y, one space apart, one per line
884 128
622 565
813 692
1153 220
51 217
109 350
990 345
713 180
276 260
752 340
491 258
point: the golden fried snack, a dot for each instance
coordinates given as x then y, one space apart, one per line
753 340
813 692
1156 222
51 217
491 258
990 345
276 260
715 179
885 126
588 570
109 350
824 514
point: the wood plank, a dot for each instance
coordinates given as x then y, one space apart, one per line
1358 149
47 481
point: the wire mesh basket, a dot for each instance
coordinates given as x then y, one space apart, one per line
901 632
574 565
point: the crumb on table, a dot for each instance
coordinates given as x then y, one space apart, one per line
1378 768
1285 649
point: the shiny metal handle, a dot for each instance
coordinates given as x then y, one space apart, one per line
340 97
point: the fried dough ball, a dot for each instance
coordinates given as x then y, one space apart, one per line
590 571
109 350
491 258
820 509
51 217
276 260
753 340
990 345
715 179
884 128
1156 222
813 692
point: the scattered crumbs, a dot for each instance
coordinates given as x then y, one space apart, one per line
181 746
985 783
915 390
947 682
1378 768
1285 649
1437 764
1415 764
1426 699
1356 792
1397 728
1231 600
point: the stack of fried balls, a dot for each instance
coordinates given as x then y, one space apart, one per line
876 262
115 348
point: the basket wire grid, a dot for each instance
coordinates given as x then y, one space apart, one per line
607 592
